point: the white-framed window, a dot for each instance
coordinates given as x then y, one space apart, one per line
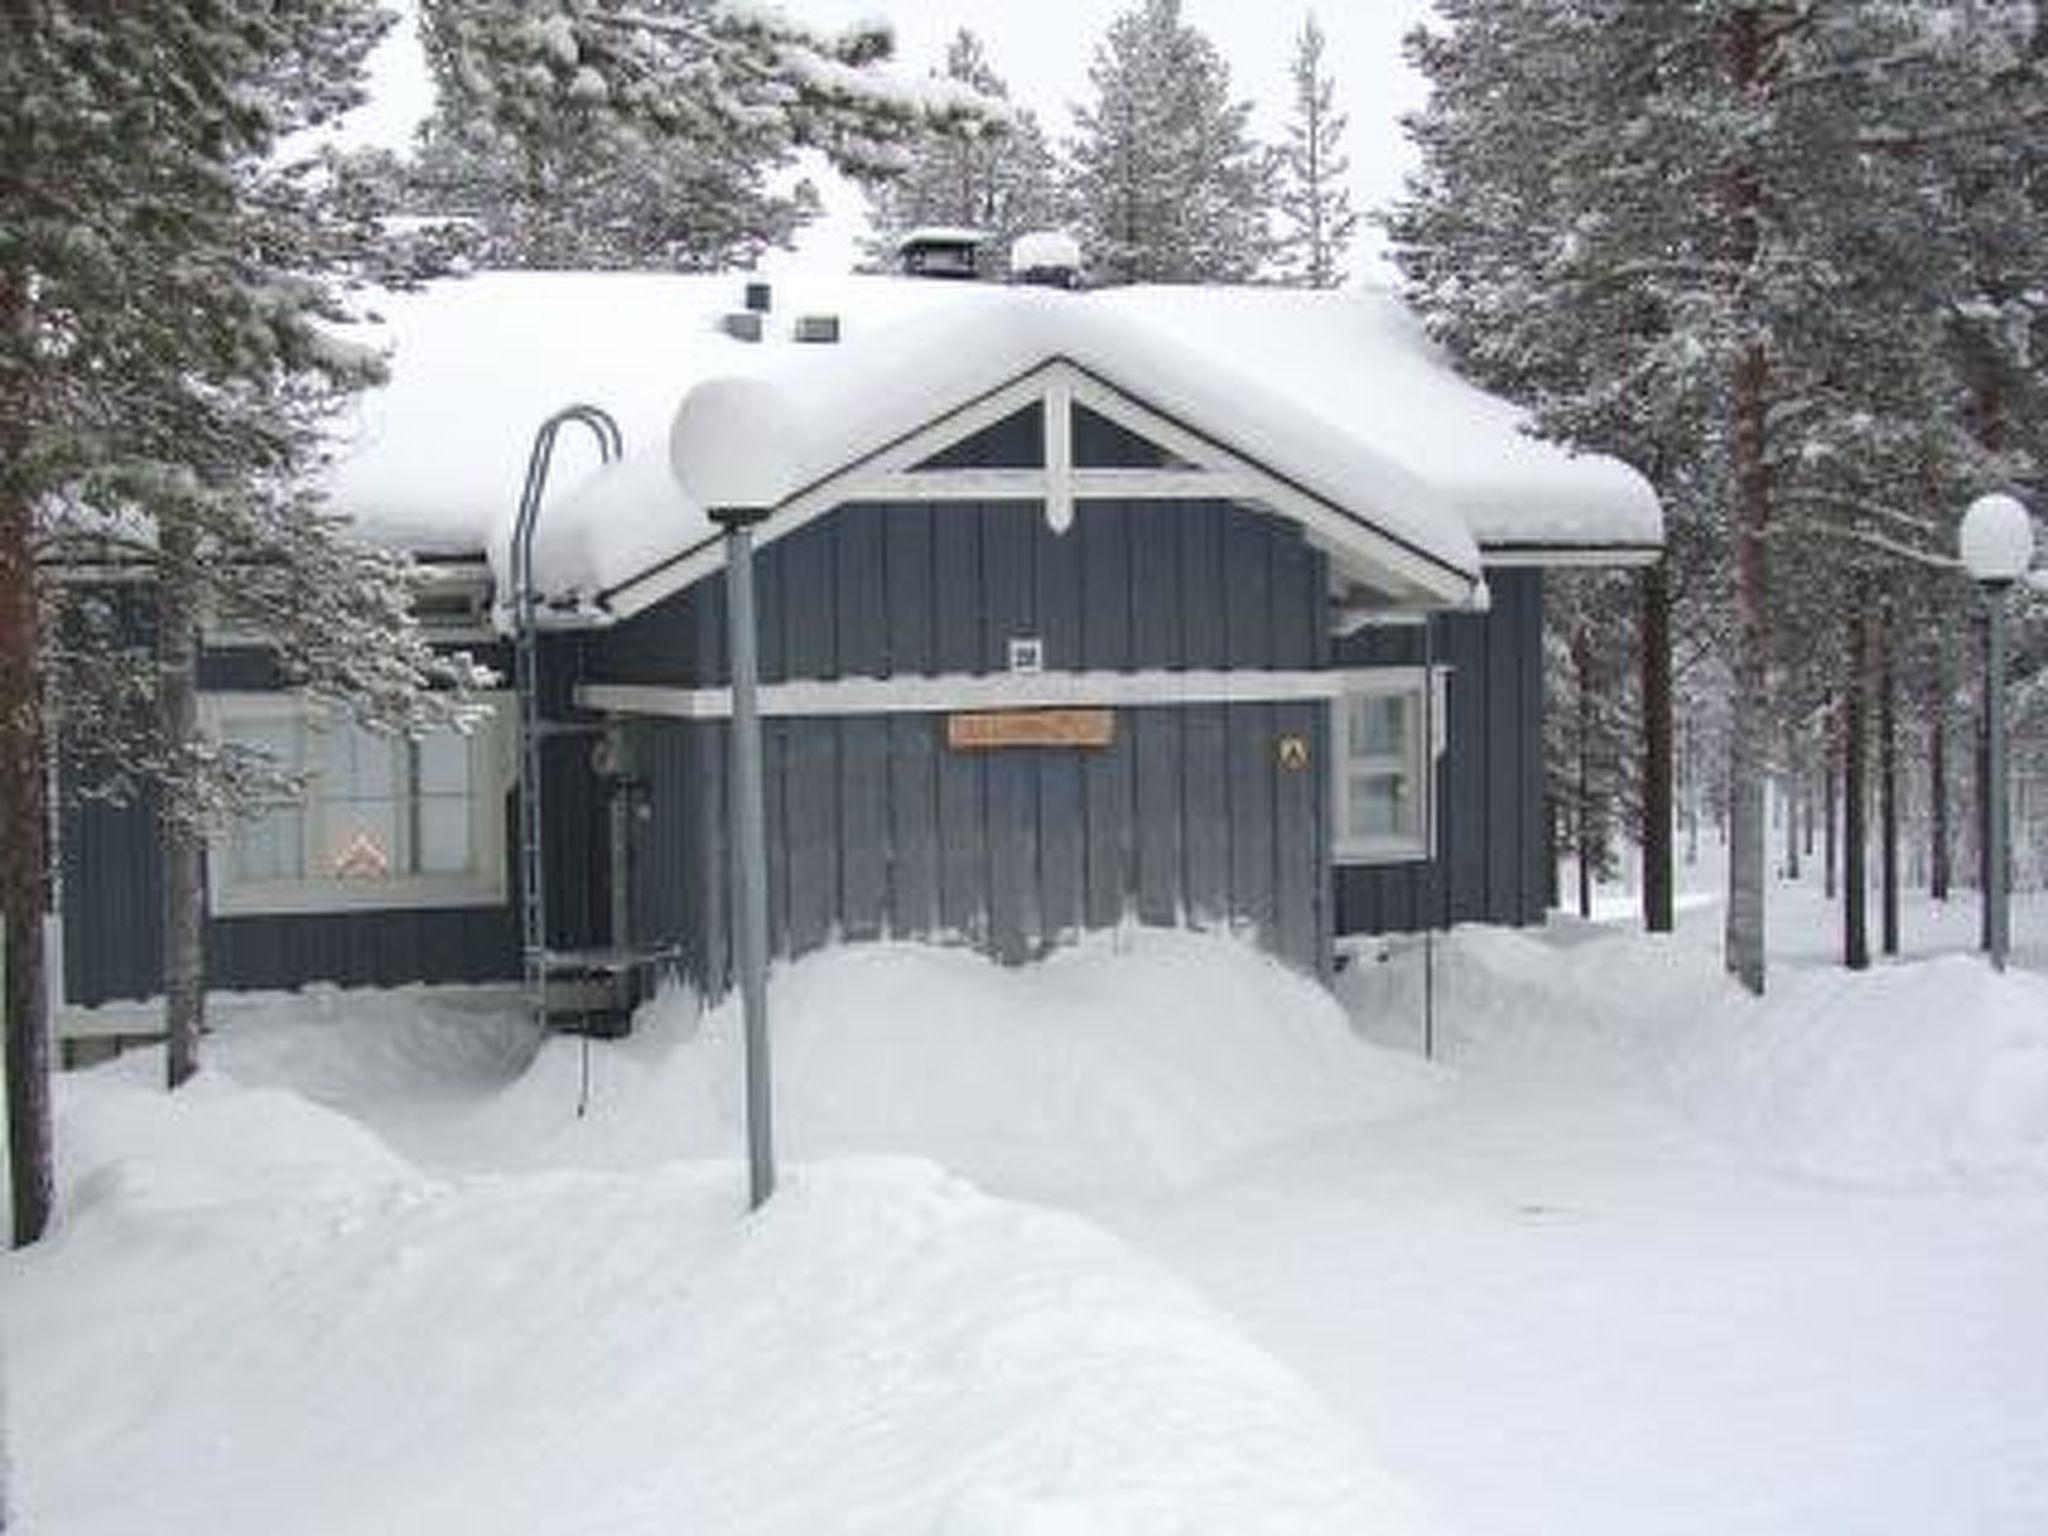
1387 731
384 823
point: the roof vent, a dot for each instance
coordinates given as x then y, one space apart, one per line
741 324
941 251
1046 258
817 329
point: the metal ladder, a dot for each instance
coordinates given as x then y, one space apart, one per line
533 729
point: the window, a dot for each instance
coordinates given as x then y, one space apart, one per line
384 822
1382 805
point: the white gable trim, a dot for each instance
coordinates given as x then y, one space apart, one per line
1363 551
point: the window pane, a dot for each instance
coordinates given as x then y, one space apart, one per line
1379 725
444 764
1380 806
269 846
281 739
444 835
359 766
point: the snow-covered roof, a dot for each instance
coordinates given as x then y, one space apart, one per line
1339 394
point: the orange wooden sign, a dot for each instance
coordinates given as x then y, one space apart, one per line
986 730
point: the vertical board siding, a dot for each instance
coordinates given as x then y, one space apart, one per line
1205 786
878 828
1488 864
112 895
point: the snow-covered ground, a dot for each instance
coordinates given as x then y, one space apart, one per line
1152 1237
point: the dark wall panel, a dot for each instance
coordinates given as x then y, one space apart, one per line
876 826
863 907
913 825
1489 853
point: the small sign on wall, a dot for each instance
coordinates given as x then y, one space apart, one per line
988 730
1292 752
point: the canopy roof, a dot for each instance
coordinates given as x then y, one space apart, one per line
1338 400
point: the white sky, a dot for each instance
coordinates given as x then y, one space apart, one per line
1043 49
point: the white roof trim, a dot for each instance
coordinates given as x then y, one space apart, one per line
1362 550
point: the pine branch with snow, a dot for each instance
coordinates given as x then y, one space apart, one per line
582 133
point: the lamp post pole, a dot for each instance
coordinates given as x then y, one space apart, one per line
1996 897
750 844
1997 545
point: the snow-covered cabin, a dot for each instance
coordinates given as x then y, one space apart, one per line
1217 607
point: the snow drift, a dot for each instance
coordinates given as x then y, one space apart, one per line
1925 1071
308 1336
1137 1060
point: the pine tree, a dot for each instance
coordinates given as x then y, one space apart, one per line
997 176
601 134
1167 184
169 372
1314 206
1710 239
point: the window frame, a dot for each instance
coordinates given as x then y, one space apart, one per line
490 775
1426 692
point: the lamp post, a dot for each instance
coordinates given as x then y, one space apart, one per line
728 449
750 851
1997 545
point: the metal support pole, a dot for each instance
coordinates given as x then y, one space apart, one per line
1997 908
750 846
1430 830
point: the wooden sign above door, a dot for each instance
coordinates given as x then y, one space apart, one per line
992 729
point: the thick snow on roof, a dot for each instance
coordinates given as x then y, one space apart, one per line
1339 393
1358 366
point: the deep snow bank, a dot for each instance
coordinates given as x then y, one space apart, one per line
1898 1075
307 1336
1138 1060
1910 1073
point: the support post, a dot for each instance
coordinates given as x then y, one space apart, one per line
750 844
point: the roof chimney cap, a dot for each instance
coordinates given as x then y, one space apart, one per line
941 250
1049 258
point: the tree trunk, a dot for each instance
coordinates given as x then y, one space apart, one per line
1553 859
1744 936
23 809
1582 662
1743 946
1830 804
1855 876
1939 873
1659 879
1788 788
1888 791
179 830
1692 795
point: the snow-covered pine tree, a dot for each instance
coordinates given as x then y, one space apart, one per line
1167 184
605 134
179 368
1710 233
1311 200
997 176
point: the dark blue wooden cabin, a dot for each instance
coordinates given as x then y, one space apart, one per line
1059 658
